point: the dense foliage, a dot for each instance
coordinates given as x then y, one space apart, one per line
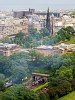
15 67
18 92
42 37
61 68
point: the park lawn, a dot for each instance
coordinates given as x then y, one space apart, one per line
72 40
70 96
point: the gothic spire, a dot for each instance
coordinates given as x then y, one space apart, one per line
48 26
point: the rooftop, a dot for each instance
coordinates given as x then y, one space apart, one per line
7 45
44 47
39 74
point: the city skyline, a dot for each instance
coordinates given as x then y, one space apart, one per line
37 4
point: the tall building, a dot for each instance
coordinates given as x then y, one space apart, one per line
48 26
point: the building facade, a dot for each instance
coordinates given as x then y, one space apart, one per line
10 26
49 50
9 49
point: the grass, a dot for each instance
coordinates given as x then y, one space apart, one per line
70 96
72 40
40 87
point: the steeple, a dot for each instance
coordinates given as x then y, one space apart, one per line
48 26
52 18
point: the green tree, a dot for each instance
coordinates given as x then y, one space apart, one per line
2 82
18 92
19 67
44 32
63 88
65 72
32 30
20 38
35 55
69 29
7 39
5 66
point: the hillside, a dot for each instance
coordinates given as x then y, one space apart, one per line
70 96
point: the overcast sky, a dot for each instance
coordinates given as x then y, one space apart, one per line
37 4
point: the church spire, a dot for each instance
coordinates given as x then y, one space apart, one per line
48 26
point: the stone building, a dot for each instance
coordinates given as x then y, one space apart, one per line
8 49
10 26
49 50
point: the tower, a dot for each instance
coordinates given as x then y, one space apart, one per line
52 26
48 25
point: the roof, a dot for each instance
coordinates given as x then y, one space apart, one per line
44 47
39 74
7 45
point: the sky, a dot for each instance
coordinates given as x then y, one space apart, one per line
37 4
